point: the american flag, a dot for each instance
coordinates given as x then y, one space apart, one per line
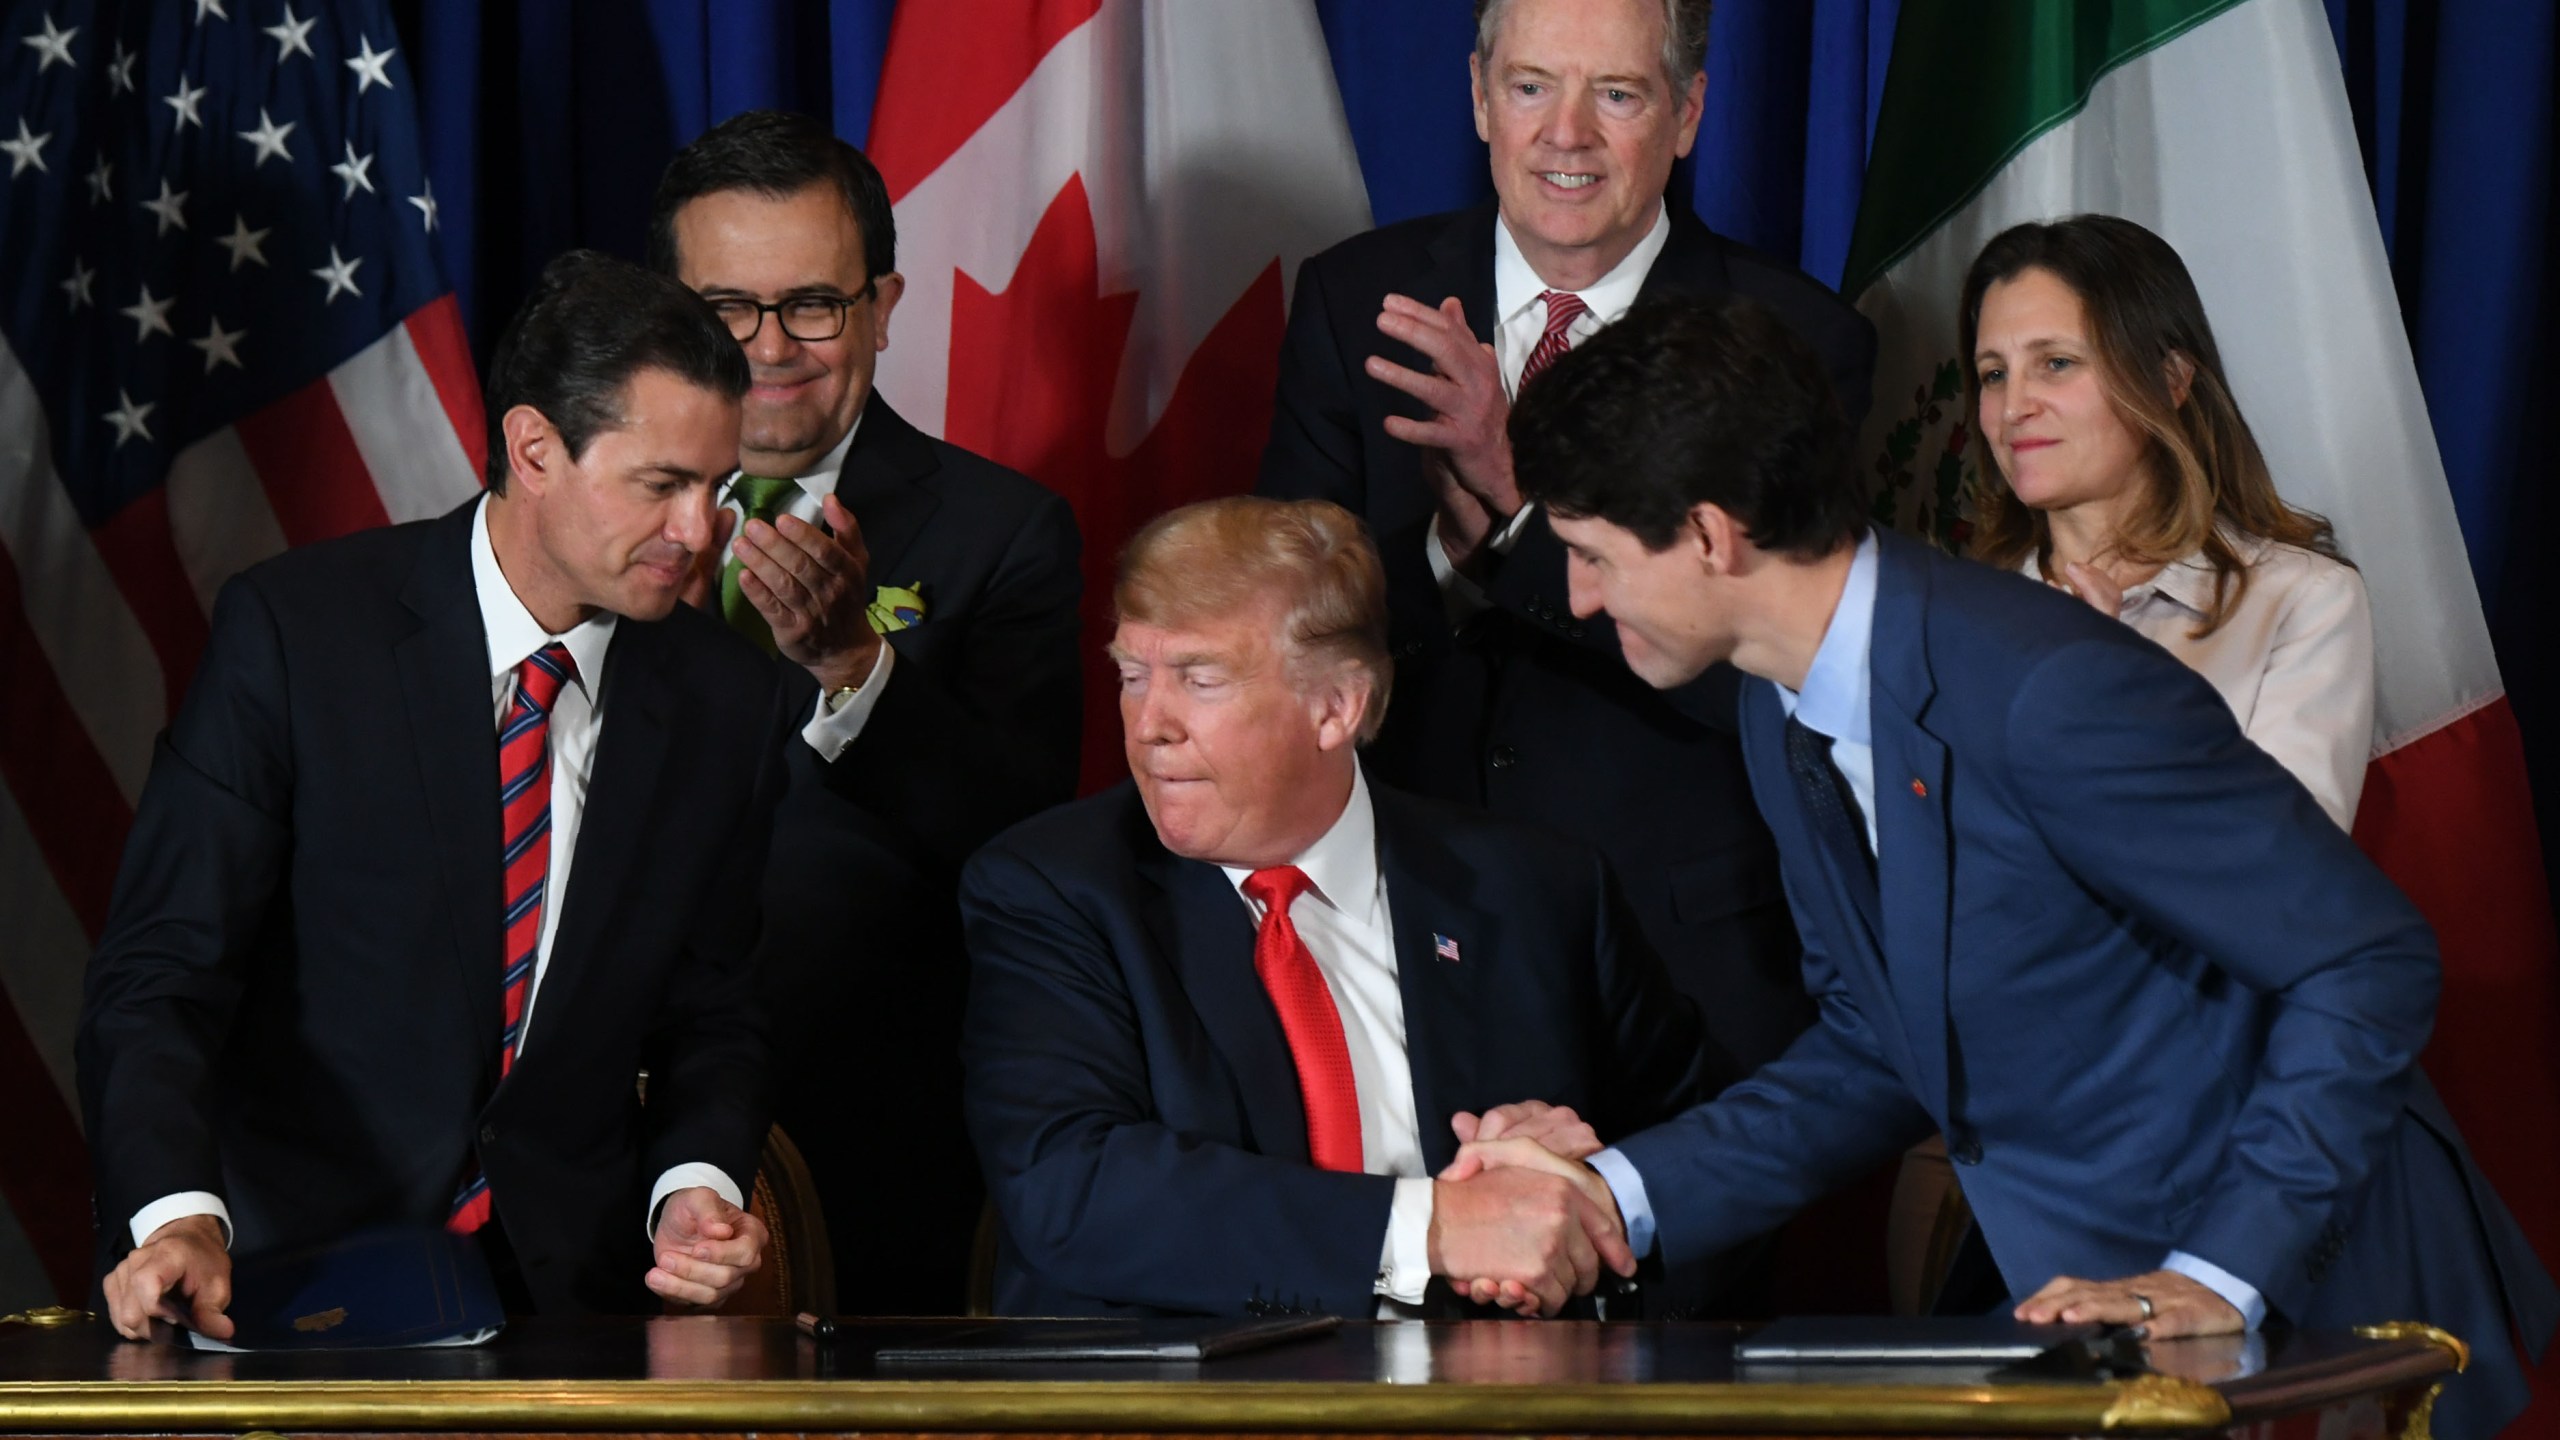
222 332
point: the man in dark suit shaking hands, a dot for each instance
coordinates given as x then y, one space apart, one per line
2056 908
1227 1021
456 833
1405 347
923 600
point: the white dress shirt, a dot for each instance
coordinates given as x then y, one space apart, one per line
837 723
1835 702
1520 321
2293 660
1344 921
576 724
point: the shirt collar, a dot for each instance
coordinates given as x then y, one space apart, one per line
1834 698
513 633
1343 863
2186 582
820 482
1516 286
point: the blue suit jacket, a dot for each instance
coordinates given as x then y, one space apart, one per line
2152 996
1132 1095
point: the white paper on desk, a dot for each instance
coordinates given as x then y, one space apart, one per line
476 1337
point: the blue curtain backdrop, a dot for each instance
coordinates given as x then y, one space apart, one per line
547 123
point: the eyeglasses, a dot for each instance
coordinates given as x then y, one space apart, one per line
806 318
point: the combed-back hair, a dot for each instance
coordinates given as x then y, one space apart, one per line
2204 480
1689 401
774 153
1312 558
1684 37
591 324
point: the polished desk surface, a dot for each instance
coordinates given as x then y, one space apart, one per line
703 1374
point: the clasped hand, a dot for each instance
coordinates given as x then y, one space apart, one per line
706 1248
1517 1220
813 588
1467 450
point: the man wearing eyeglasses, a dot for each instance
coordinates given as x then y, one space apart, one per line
930 595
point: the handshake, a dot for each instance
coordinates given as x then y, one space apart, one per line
1518 1220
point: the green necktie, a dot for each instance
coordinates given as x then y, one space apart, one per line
762 498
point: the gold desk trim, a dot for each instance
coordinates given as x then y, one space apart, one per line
2146 1404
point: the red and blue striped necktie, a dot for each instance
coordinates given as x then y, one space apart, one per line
524 800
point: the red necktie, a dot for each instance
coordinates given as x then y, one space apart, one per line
1307 1016
1563 308
524 800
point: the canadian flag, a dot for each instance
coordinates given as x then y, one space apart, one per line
1101 205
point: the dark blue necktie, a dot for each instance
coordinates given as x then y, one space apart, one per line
1828 802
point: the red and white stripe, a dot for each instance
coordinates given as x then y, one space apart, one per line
100 631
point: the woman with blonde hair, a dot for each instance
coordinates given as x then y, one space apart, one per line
2128 477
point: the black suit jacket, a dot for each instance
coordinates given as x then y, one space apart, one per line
1131 1091
1524 709
976 728
296 1001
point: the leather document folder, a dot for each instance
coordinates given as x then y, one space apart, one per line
376 1289
1042 1340
1906 1340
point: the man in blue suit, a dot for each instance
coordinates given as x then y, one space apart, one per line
2054 906
1226 1022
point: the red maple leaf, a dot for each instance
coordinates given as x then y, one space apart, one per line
1033 367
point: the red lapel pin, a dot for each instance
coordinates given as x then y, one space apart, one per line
1919 789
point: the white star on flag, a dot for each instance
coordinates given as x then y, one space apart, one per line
371 67
26 150
293 35
212 8
53 45
341 275
77 287
149 314
102 182
269 137
120 70
426 204
184 102
170 208
354 172
243 243
128 419
220 346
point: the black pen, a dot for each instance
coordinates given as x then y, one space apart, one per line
817 1327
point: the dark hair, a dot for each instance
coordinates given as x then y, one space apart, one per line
774 153
1684 36
591 324
1689 401
2205 473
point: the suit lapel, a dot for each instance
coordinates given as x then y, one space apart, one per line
631 754
453 731
1430 895
1462 265
1691 262
1197 917
884 484
1912 819
1848 932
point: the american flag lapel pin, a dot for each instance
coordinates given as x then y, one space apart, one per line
1445 948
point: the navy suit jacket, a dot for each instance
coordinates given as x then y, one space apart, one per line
296 1002
975 729
1132 1095
2154 999
1526 710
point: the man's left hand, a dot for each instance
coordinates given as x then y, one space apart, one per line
2180 1305
707 1248
814 591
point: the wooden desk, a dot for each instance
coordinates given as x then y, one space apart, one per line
718 1376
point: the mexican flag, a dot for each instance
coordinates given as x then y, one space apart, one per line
2223 126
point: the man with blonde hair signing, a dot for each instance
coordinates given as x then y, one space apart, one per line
1227 1020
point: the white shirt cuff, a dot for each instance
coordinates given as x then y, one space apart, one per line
178 1207
1404 1264
1507 539
685 1177
830 730
2242 1295
1460 596
1627 1188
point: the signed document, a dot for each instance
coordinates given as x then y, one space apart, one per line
378 1289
